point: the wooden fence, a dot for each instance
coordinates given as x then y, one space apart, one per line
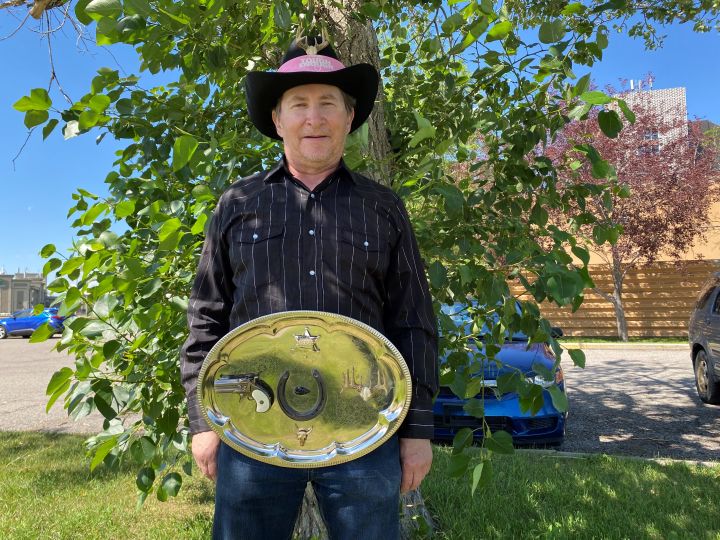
658 300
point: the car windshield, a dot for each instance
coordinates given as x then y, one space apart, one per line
462 318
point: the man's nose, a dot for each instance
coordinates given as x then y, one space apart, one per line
314 115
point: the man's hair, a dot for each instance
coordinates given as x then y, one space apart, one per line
349 101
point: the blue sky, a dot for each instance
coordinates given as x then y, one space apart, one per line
35 192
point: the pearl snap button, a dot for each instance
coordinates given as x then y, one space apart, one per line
366 244
312 272
255 236
311 232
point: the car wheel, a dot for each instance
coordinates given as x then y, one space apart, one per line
3 332
707 387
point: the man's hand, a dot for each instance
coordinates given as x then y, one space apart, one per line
205 447
415 459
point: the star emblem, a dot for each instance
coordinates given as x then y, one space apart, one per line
306 340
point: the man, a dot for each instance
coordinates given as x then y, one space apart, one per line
310 234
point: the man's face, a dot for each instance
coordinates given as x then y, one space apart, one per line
313 123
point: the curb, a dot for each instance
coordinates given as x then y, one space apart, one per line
628 346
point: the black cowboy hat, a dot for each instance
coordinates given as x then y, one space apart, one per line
303 64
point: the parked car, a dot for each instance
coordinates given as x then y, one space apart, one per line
704 336
503 412
24 323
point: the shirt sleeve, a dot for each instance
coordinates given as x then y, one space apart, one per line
409 322
208 314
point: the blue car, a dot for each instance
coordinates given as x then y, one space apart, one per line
503 412
24 323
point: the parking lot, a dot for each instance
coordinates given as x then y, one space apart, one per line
638 401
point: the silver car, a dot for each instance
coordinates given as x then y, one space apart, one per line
704 335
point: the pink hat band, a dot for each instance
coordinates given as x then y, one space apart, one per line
311 62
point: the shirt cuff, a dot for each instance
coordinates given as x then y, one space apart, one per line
419 422
197 421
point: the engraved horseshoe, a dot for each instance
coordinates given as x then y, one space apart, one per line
293 413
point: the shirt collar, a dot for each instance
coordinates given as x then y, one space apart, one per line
280 170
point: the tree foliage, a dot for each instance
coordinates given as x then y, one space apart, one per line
665 168
450 70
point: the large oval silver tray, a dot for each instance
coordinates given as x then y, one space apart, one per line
304 389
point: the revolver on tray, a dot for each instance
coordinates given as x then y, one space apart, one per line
249 385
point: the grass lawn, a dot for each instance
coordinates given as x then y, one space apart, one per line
46 491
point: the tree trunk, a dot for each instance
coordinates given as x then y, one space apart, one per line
618 278
356 42
415 519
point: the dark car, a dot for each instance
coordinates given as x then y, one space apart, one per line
704 335
24 323
503 412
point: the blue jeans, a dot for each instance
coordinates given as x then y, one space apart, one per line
358 500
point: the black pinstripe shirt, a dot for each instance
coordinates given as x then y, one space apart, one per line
346 247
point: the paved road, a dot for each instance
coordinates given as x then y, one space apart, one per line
25 370
640 403
627 402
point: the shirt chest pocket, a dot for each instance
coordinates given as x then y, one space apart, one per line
362 254
257 254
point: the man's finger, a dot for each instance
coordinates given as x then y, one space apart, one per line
407 481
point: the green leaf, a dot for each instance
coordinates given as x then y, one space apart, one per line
472 36
183 151
595 97
49 127
582 254
559 398
88 119
102 451
582 85
171 484
51 266
42 333
438 274
629 115
105 305
137 7
38 100
168 422
58 380
169 234
610 123
110 348
104 407
35 118
552 31
575 8
482 474
425 130
124 209
452 23
283 17
602 169
462 440
578 357
499 31
371 10
453 197
97 9
99 103
145 479
474 407
563 287
80 13
47 250
500 442
458 465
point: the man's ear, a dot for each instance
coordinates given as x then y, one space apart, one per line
351 116
276 121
